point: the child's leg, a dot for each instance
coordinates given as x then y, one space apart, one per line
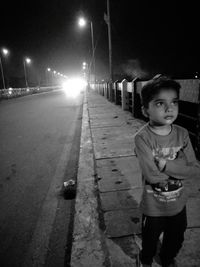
151 230
173 236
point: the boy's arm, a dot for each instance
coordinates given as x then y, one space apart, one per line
185 165
146 160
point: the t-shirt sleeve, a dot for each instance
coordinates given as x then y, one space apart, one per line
146 161
185 165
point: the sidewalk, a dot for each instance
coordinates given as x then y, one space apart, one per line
107 217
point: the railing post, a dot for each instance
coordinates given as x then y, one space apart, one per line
107 90
111 91
134 96
124 94
102 89
99 86
115 91
197 148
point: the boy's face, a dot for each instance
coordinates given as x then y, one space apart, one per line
163 108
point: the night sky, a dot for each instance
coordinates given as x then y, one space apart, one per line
148 37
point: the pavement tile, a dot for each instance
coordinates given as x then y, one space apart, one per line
108 134
118 174
193 212
104 109
119 256
104 115
124 199
193 187
189 255
122 222
109 122
114 149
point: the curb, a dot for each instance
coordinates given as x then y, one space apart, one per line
88 239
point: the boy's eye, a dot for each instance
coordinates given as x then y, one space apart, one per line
162 103
159 104
175 102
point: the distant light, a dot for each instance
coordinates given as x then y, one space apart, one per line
28 60
54 72
10 91
196 75
74 86
82 22
5 51
48 69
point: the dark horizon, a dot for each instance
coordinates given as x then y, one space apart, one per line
147 38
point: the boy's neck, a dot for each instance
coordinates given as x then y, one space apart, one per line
161 129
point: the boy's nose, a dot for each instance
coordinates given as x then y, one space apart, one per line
169 107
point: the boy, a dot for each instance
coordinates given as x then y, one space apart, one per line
166 158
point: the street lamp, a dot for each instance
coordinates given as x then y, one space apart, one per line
54 77
85 70
82 23
5 52
26 61
47 76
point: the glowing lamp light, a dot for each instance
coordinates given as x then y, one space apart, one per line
82 22
10 91
72 87
5 51
28 60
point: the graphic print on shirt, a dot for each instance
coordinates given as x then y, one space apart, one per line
172 190
169 153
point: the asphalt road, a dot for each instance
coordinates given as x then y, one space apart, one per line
39 149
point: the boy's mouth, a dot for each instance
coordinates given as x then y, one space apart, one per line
169 117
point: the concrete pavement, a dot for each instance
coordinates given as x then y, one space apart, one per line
107 217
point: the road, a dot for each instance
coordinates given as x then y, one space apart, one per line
39 149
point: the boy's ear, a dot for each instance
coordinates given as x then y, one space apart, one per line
145 112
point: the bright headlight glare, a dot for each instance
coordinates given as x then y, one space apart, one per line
74 86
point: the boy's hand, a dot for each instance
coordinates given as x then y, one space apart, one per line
161 163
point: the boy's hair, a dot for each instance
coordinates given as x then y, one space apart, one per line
154 86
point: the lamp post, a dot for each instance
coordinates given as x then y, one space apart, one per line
26 61
109 41
82 22
47 76
85 70
5 52
54 77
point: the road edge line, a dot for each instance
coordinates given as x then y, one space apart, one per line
87 245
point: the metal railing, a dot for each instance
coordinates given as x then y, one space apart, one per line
127 95
17 92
